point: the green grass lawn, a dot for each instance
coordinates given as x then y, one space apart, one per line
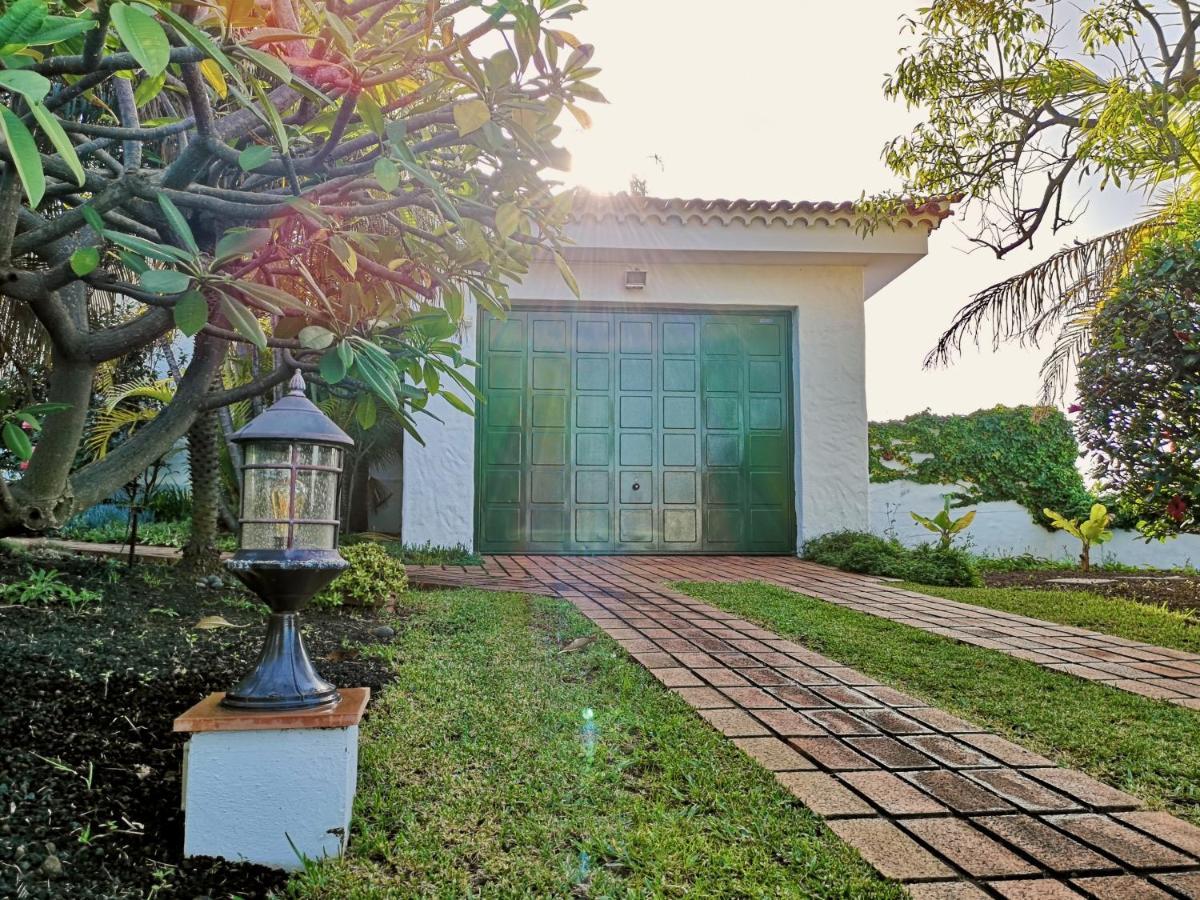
474 779
1146 747
1121 618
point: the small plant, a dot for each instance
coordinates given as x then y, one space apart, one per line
944 526
372 578
1092 530
43 587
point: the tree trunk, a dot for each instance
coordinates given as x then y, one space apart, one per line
201 555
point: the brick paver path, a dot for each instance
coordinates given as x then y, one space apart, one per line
949 809
1135 666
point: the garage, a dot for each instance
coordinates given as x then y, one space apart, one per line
655 430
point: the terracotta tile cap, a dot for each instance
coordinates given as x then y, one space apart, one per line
209 715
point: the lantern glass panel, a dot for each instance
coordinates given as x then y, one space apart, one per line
275 453
316 498
266 494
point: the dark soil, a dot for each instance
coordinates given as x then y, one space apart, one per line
1157 588
89 766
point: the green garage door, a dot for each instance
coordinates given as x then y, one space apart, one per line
624 432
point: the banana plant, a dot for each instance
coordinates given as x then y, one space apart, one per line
944 526
1092 530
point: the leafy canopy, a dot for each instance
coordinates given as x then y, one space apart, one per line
1140 386
312 184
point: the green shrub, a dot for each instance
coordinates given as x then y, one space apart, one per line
855 551
372 578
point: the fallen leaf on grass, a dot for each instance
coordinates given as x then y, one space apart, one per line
210 622
343 654
578 644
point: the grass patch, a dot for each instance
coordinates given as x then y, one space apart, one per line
1146 747
426 554
474 779
1082 609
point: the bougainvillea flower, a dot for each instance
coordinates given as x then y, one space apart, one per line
1074 408
1177 508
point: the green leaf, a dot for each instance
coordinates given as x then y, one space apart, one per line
270 115
30 85
164 281
268 61
254 157
471 115
59 139
84 260
22 21
148 88
239 242
93 218
244 322
57 29
366 412
387 173
271 296
179 225
371 114
24 152
199 39
191 313
161 252
567 275
316 337
142 36
332 367
508 219
17 441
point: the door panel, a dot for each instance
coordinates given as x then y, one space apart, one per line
635 432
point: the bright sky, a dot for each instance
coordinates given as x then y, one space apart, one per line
782 99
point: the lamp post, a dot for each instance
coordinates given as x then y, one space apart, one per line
291 469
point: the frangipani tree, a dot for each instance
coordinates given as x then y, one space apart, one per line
1026 106
321 184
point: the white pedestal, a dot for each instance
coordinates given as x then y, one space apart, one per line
270 788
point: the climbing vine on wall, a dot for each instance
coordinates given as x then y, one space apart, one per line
1025 454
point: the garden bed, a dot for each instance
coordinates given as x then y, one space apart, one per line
1154 587
90 775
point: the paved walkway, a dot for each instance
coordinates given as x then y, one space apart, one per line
1135 666
949 809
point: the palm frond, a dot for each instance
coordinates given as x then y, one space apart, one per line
1058 369
108 423
1070 285
160 390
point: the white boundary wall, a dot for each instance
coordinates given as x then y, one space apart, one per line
1007 529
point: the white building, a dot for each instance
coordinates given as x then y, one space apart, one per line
705 394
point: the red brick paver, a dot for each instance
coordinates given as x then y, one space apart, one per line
946 807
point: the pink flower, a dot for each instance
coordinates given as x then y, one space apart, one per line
27 426
1074 408
24 465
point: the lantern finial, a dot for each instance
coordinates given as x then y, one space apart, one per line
296 386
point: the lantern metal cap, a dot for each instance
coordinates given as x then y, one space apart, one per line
295 419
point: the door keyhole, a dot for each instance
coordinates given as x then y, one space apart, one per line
637 486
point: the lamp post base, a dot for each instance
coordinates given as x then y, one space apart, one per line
284 677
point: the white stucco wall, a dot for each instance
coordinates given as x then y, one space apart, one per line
1007 529
439 477
828 378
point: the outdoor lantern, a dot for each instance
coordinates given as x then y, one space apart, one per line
291 468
